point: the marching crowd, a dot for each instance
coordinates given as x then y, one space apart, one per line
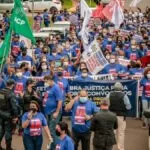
58 57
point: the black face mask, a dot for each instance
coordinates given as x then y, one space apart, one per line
26 69
60 74
24 54
33 110
57 133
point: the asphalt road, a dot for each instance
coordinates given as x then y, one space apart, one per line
136 138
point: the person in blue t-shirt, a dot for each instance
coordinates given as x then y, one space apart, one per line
132 53
46 18
20 82
33 122
25 69
114 68
83 110
64 85
43 69
145 83
52 104
16 46
84 76
54 56
65 142
25 57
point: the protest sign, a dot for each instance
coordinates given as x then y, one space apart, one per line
20 62
97 90
94 58
123 62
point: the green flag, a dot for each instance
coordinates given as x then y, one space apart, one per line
5 48
19 21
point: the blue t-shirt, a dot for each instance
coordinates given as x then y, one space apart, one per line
113 69
64 86
132 55
65 144
52 96
25 58
78 113
35 125
80 78
145 83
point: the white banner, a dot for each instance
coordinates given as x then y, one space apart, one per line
96 77
93 47
94 58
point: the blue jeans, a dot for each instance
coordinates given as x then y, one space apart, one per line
32 142
52 125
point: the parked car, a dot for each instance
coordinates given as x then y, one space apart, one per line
39 5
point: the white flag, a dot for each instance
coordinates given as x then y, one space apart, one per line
134 3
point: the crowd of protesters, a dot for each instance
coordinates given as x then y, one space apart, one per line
58 57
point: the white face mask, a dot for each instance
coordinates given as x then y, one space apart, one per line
46 84
84 74
107 57
148 75
54 54
19 74
122 57
112 61
117 49
133 47
41 45
44 59
44 67
66 63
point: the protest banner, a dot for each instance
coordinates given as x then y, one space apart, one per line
97 90
123 62
94 58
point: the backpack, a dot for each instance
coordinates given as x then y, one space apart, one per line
4 99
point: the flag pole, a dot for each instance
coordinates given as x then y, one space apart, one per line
1 66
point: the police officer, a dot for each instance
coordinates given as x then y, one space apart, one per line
8 113
103 124
119 104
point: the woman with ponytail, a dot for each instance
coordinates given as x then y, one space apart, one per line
65 142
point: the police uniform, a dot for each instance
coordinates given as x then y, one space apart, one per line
8 111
